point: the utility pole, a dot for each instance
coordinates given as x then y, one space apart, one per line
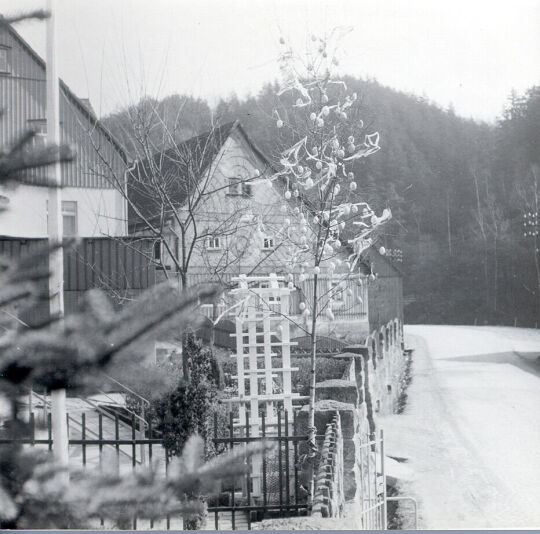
55 234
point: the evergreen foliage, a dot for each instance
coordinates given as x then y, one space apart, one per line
189 408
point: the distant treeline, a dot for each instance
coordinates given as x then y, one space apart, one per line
460 192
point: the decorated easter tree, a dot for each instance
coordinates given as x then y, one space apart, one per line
329 224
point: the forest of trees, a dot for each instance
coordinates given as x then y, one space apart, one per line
460 192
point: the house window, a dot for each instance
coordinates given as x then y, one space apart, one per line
234 186
239 187
213 243
69 217
157 251
4 60
40 127
268 243
247 189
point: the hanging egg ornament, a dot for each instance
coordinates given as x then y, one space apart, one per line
309 183
350 175
302 306
313 116
349 292
315 150
320 122
352 186
325 111
342 225
340 153
318 165
279 123
300 169
287 222
346 210
316 270
382 251
287 195
354 208
296 210
350 139
299 102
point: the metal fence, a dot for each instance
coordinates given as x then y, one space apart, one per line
372 483
281 493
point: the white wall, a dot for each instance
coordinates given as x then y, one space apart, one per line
100 212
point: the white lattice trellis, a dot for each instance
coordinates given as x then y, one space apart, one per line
262 340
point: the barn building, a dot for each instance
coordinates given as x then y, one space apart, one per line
92 205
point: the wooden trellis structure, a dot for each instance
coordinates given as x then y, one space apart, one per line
262 341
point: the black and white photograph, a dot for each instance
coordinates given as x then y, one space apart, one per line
269 265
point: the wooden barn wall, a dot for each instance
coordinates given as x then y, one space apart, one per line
119 267
23 100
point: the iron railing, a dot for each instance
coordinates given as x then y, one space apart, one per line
271 486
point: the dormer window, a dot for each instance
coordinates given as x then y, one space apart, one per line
268 243
4 60
213 243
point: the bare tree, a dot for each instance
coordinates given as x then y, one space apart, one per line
330 221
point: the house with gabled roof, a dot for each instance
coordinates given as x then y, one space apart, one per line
92 204
211 195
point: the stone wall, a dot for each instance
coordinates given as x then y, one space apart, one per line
369 388
329 499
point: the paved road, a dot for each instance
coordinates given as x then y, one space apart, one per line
471 428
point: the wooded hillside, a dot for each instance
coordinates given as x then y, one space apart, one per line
460 192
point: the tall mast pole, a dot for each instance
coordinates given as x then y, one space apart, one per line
55 234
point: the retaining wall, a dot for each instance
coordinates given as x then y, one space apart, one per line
369 388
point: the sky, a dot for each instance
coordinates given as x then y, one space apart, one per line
468 54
